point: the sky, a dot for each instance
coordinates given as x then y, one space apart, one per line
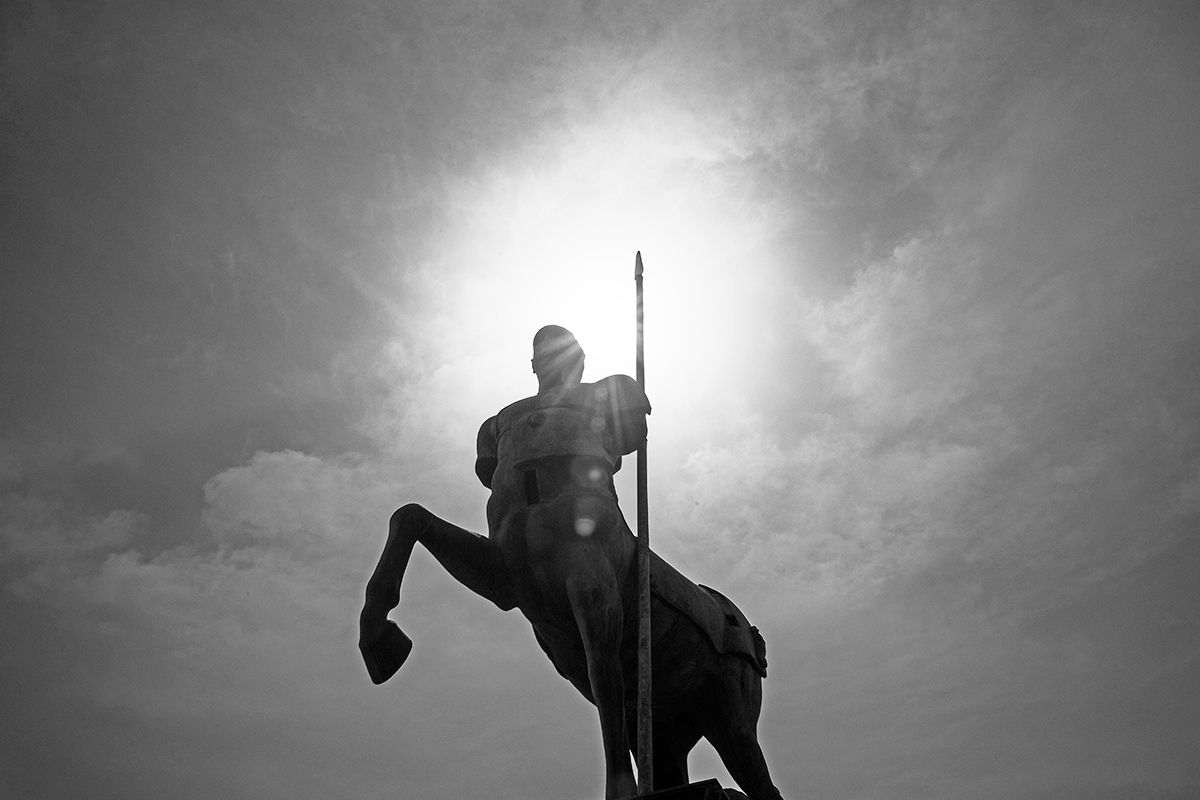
921 339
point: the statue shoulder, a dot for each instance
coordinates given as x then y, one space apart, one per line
487 441
624 405
506 415
485 451
620 393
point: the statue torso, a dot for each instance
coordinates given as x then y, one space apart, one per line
562 422
567 440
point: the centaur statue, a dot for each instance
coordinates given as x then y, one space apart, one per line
559 549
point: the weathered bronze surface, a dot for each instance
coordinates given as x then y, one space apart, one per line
559 549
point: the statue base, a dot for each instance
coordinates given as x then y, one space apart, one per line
703 790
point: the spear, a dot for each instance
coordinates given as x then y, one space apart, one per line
645 755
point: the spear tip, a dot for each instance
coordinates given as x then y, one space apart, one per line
637 266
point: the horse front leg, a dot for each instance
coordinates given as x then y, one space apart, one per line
596 605
472 560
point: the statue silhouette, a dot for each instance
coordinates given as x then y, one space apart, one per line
559 549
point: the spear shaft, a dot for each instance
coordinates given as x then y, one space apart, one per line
645 750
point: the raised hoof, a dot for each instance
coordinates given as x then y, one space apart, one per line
386 653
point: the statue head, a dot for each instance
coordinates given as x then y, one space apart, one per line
557 357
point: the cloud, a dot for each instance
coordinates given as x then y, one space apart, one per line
829 518
294 503
936 430
31 532
41 534
224 662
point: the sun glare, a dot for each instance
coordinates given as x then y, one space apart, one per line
555 243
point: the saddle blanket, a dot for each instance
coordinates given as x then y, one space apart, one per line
723 623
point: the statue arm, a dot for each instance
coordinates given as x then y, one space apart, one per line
485 450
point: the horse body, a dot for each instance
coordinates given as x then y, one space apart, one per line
560 551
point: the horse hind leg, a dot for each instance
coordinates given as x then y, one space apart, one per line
743 757
472 560
672 744
734 736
